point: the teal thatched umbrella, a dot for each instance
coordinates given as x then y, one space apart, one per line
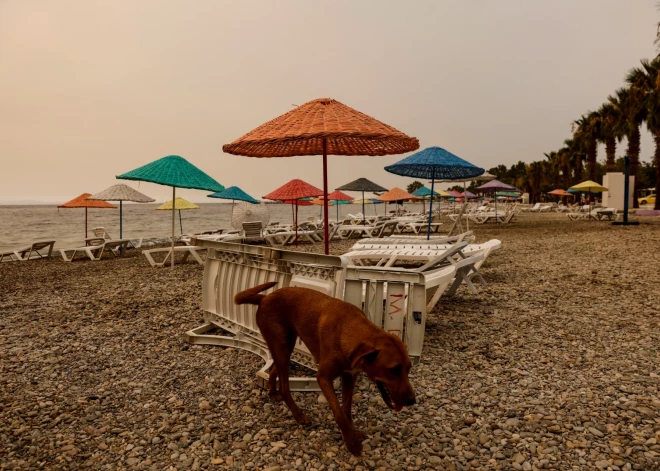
177 172
233 193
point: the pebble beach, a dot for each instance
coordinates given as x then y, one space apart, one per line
555 365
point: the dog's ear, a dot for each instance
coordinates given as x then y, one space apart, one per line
364 352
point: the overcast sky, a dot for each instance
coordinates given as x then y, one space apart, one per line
91 89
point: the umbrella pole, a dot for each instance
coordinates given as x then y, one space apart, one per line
325 197
428 229
467 220
364 216
180 223
173 214
85 223
338 212
121 234
296 223
496 221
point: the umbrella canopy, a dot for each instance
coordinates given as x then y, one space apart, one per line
507 194
588 187
468 194
435 163
338 195
397 194
558 192
424 192
179 203
174 171
363 185
121 192
321 127
494 186
484 177
82 202
234 193
294 190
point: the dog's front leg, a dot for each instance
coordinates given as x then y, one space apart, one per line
352 437
347 387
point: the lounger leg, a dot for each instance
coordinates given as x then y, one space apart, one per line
196 256
436 296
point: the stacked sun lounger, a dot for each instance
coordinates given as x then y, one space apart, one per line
29 252
396 299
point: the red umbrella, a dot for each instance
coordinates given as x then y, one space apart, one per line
291 193
82 202
321 127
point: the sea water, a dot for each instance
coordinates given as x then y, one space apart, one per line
22 225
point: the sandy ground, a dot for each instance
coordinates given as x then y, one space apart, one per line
554 366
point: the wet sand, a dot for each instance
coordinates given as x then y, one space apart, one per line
554 366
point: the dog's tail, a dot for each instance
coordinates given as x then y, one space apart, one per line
252 296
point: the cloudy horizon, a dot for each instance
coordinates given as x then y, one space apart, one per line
91 91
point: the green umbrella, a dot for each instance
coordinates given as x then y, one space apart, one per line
174 171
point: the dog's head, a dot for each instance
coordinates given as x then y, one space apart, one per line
386 362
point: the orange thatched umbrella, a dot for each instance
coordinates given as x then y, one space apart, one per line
82 202
397 194
321 127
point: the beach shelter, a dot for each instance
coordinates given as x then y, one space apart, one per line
435 163
589 187
177 172
121 192
180 204
233 193
322 127
362 185
82 202
339 197
292 192
249 212
395 195
494 186
424 193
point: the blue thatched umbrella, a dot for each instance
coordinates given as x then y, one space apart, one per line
435 163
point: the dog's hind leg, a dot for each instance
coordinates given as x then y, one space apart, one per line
281 342
272 384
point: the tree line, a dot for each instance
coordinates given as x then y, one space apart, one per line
622 116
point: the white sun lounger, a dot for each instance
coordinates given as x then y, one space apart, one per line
25 254
96 247
187 250
373 243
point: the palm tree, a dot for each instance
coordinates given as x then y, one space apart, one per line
534 177
633 114
610 130
575 158
645 81
587 135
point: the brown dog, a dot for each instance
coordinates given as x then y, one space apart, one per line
344 343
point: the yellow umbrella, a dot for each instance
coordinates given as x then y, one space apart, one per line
589 187
180 204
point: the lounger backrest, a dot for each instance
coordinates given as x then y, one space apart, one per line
443 257
101 233
252 230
